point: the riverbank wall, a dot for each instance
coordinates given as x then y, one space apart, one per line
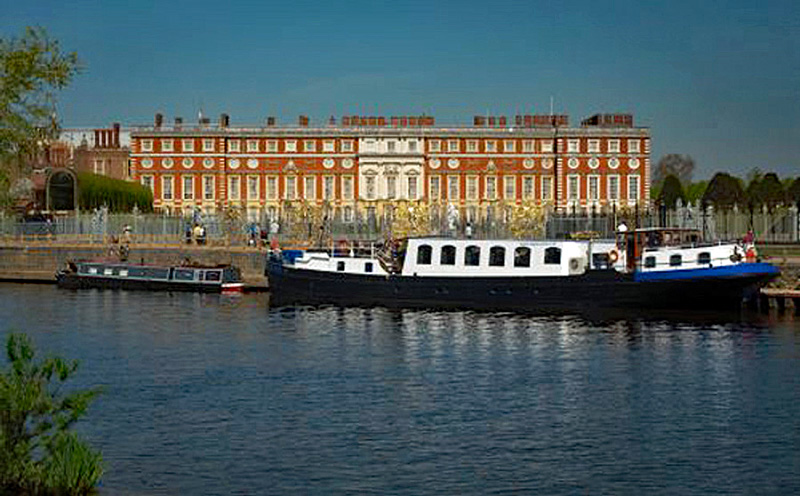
38 262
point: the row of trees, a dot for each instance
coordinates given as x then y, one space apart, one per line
724 191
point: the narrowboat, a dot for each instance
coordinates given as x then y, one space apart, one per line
668 269
122 275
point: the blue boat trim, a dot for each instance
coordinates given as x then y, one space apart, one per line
744 269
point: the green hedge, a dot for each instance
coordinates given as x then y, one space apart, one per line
118 195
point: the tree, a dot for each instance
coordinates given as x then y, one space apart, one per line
724 191
765 190
681 166
39 454
671 192
695 191
32 68
793 192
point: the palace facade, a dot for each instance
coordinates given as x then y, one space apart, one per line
363 164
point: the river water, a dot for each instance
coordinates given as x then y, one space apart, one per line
209 394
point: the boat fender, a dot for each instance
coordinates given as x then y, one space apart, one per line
750 254
613 256
574 264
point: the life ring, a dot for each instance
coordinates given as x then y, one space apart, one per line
613 256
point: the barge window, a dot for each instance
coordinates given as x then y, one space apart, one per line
497 256
424 254
108 271
212 275
368 267
522 257
649 262
448 255
340 266
157 273
704 258
552 255
136 272
472 255
675 261
183 275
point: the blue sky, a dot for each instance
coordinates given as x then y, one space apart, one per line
717 80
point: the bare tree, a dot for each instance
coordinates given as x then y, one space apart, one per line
680 166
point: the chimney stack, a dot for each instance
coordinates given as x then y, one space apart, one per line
224 121
270 121
178 122
159 120
115 138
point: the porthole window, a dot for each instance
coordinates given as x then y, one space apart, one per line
434 163
328 163
594 163
522 257
675 261
347 163
528 163
649 262
472 256
208 163
448 255
252 163
573 163
452 163
552 255
497 256
704 258
187 163
234 163
633 163
613 162
424 253
547 163
147 163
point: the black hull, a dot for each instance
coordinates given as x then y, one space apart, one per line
606 289
74 281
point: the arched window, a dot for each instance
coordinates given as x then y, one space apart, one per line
704 258
448 255
497 256
552 255
472 255
424 253
522 257
675 261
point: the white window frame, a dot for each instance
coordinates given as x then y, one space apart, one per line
593 146
472 146
290 187
348 189
491 146
613 146
309 146
187 145
547 188
312 182
528 187
234 188
527 146
253 194
148 181
634 146
272 187
435 188
473 188
391 146
187 193
328 187
509 146
633 179
347 146
453 188
167 145
252 146
547 146
272 146
168 180
573 145
490 189
573 188
370 187
291 146
147 145
208 144
412 187
612 193
453 145
510 186
234 146
412 146
208 180
329 146
593 181
434 146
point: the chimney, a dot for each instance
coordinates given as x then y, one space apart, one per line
204 122
159 120
303 121
224 121
332 121
270 121
178 122
115 138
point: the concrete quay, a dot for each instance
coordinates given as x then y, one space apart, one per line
37 262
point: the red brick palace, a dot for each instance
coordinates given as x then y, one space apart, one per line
365 163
